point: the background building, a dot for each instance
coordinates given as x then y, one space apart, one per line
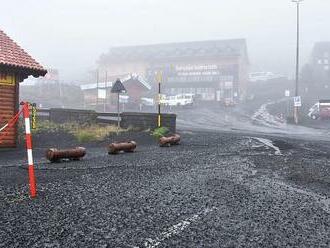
320 62
316 74
213 70
98 96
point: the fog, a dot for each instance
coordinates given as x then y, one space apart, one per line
71 34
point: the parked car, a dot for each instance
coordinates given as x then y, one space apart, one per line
147 101
178 100
320 110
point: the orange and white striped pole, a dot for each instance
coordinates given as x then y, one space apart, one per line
32 180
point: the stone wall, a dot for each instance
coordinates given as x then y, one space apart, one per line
145 121
59 115
140 121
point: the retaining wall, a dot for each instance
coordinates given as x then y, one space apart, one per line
145 121
141 121
72 115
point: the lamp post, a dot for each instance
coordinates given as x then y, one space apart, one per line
295 113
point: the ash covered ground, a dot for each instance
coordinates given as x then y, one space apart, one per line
216 189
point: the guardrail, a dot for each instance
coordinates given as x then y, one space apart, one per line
108 118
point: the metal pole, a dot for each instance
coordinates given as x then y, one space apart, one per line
159 116
105 87
97 89
118 117
28 138
295 113
159 79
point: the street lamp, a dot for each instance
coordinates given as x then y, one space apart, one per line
296 104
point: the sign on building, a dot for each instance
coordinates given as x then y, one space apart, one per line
7 79
197 73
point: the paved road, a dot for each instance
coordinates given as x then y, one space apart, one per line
246 119
214 190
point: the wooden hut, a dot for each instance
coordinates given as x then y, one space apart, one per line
15 66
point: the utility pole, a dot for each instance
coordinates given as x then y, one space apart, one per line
105 87
97 89
159 80
295 113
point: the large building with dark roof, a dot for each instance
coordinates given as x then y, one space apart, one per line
15 66
215 70
321 62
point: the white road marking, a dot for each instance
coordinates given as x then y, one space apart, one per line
176 229
325 202
269 143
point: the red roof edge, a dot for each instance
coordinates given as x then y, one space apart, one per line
13 57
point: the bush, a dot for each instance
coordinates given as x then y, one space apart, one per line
82 133
85 136
160 132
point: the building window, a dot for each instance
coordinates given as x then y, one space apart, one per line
326 61
319 61
326 68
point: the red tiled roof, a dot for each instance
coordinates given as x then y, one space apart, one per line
13 55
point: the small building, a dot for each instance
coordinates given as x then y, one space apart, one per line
213 70
98 95
15 66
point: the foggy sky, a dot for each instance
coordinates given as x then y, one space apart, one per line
71 34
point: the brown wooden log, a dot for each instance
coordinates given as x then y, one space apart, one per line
115 148
55 155
170 140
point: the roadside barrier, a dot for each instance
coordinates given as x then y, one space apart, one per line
55 155
28 140
169 141
115 148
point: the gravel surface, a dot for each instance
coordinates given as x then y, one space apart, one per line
214 190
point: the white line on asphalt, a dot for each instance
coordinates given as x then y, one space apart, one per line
269 143
325 202
176 229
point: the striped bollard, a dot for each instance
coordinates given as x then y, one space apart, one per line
32 180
